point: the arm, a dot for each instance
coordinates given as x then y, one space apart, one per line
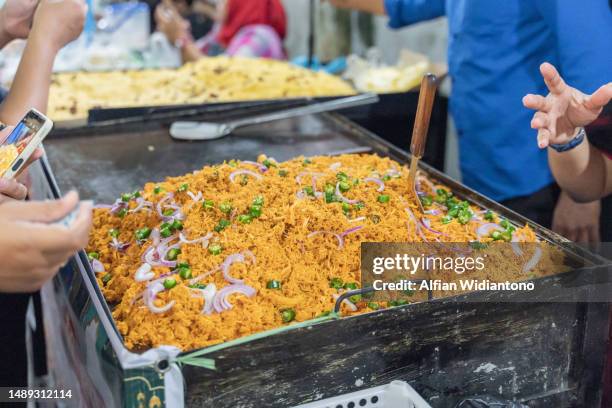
30 88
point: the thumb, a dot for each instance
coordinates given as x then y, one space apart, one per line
41 211
600 97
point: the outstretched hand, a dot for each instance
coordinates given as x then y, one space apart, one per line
565 109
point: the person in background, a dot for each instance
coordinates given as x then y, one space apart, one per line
32 248
494 48
581 169
247 28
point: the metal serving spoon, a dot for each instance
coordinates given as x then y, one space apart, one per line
210 130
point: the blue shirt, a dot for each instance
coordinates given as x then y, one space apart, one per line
495 50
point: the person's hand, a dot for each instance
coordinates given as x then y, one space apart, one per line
577 222
59 22
560 114
170 22
12 190
32 247
16 18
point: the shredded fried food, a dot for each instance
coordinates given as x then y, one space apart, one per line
212 79
289 217
8 153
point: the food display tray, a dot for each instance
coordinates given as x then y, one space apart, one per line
544 353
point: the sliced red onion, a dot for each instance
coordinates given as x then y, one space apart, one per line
341 197
260 166
195 197
335 166
393 172
155 237
417 224
351 230
141 203
381 184
427 224
209 296
160 204
516 248
144 273
118 205
225 266
486 229
357 219
151 257
163 251
530 264
204 240
433 212
119 246
237 173
220 302
150 294
425 180
195 280
97 266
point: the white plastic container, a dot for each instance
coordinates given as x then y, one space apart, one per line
397 394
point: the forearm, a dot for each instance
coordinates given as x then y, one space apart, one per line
30 88
369 6
581 172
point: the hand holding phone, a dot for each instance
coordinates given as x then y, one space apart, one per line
23 142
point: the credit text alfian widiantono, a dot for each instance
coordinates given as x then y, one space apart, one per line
463 284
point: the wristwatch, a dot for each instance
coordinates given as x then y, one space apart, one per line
576 140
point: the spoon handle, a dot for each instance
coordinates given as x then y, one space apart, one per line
429 84
362 99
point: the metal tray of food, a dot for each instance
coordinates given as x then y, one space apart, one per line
544 353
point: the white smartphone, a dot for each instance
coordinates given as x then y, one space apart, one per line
22 142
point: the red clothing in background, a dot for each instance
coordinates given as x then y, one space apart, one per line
241 13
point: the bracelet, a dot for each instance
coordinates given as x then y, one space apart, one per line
576 141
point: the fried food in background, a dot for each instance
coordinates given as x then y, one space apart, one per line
214 79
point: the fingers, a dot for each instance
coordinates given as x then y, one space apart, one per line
41 211
13 189
540 120
553 80
536 102
543 138
593 235
600 98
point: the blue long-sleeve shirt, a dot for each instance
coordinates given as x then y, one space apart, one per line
495 49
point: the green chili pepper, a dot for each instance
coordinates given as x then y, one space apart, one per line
336 283
259 200
168 212
208 204
172 254
346 208
426 200
344 186
245 219
93 255
341 176
268 163
373 305
383 198
215 249
273 284
283 173
169 283
185 271
505 224
308 190
106 278
197 286
355 298
165 232
447 219
225 207
496 235
126 197
157 190
306 162
122 212
143 233
255 211
488 215
177 225
360 205
287 315
223 224
350 286
113 232
464 216
506 236
478 245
